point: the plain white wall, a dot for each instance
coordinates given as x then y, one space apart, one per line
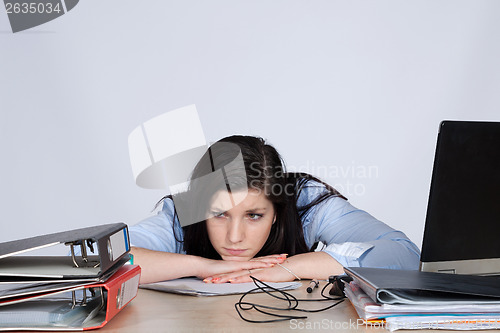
350 90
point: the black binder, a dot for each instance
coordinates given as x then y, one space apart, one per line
390 286
94 251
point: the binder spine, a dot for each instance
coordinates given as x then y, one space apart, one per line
120 290
113 247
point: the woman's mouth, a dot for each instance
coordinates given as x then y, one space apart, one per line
234 252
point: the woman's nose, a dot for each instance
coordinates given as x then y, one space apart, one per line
236 231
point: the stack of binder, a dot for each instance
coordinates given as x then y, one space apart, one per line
399 299
79 290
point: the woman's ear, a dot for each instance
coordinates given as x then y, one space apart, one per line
274 220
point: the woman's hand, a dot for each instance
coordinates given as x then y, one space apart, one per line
211 268
238 268
269 274
273 258
310 265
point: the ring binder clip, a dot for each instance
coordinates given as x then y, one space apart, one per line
84 252
103 301
72 248
84 298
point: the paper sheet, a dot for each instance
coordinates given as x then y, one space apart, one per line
196 287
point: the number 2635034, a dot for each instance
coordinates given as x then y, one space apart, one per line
32 8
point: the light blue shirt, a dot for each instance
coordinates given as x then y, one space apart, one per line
352 236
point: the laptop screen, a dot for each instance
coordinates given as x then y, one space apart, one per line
462 227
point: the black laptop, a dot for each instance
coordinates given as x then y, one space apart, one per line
462 227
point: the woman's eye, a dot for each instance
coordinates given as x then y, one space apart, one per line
218 214
254 217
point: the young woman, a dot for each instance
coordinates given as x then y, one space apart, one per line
262 221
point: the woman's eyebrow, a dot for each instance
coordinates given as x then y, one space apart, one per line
216 209
256 209
220 210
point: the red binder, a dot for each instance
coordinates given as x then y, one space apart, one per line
121 289
75 309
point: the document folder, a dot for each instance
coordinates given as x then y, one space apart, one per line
390 286
109 245
74 309
11 289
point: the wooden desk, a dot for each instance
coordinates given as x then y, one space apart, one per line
154 311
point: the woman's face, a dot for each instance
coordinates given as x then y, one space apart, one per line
240 232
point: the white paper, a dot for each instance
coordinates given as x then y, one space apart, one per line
349 249
196 287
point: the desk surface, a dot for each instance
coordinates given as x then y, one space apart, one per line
154 311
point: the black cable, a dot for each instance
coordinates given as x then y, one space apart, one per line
292 301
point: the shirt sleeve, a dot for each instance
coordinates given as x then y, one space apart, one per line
157 232
356 239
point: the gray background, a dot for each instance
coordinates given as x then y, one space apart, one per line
332 84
